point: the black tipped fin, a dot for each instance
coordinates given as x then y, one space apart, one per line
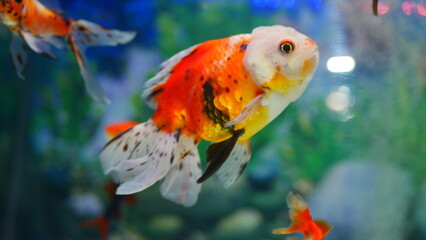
217 153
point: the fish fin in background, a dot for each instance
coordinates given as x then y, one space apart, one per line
135 158
323 225
166 68
18 54
38 44
180 184
235 164
85 34
248 111
101 223
217 153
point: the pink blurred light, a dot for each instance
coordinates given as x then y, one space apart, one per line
421 9
382 8
408 7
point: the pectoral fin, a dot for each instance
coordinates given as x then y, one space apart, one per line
248 111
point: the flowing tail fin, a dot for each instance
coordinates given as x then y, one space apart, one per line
299 215
301 220
144 154
139 157
85 34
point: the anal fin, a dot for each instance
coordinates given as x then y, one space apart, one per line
236 163
217 153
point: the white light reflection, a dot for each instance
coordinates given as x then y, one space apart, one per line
341 64
340 101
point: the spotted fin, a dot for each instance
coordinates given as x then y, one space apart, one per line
85 34
218 153
139 157
248 111
38 44
18 53
162 75
235 164
180 184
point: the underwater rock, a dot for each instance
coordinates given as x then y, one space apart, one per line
165 226
243 224
364 200
420 213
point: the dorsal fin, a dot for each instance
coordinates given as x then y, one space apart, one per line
150 88
217 153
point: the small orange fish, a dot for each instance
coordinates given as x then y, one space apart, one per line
223 91
40 28
302 221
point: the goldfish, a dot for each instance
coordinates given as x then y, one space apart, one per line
35 26
223 91
301 220
112 211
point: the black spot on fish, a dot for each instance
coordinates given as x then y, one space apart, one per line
243 47
214 114
172 158
125 147
235 81
180 166
82 28
153 94
228 58
201 78
227 89
136 146
130 169
242 167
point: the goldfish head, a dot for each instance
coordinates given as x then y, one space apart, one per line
281 59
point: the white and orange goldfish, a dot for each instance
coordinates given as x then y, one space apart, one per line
40 28
223 91
301 221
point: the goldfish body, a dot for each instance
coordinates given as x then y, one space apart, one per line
40 28
223 91
302 220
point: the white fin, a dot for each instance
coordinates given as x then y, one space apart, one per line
237 161
248 110
38 44
162 75
18 54
139 157
85 34
180 184
91 34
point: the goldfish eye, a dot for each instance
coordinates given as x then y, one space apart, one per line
287 46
